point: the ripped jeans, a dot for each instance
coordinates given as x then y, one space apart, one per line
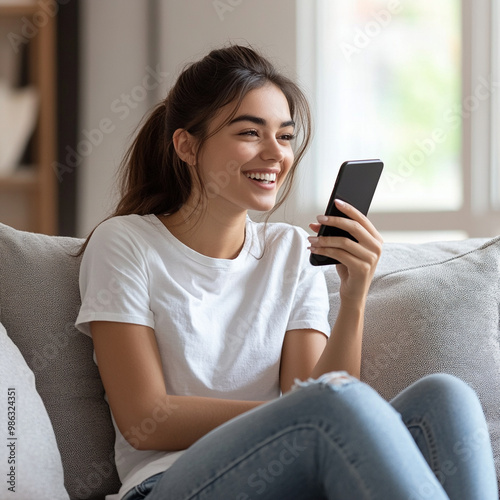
336 438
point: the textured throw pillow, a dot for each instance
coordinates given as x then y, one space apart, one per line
434 308
30 463
39 302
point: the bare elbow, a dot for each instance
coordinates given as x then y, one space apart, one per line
138 438
151 429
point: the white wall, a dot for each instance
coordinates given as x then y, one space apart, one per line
114 57
191 28
116 53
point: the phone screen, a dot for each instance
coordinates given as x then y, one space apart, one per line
356 183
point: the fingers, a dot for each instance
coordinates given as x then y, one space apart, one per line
369 242
346 251
355 215
354 225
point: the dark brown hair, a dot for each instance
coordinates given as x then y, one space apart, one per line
152 177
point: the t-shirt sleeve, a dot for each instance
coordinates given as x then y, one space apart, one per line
114 284
310 305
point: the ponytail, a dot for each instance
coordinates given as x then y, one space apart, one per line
152 177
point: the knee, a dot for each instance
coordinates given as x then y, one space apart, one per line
337 393
324 392
444 386
334 379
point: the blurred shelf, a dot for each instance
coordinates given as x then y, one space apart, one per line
21 179
18 9
33 190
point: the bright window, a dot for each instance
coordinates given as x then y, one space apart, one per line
409 82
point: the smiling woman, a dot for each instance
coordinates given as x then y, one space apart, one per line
259 143
194 308
148 187
254 138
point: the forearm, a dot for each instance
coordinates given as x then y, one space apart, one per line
343 349
179 421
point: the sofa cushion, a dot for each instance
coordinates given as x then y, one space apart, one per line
39 302
32 466
432 308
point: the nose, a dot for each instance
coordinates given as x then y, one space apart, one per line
272 150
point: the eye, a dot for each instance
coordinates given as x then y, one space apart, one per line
249 133
287 137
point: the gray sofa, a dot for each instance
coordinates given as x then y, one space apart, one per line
432 308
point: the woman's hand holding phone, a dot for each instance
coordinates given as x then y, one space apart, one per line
357 259
345 236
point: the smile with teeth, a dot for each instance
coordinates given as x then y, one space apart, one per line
262 177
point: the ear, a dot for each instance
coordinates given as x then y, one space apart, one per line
184 144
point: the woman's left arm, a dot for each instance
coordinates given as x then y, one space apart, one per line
304 352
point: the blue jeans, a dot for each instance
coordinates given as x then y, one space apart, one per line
336 438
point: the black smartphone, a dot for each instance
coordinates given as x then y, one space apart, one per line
356 183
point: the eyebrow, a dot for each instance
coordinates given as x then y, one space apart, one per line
259 121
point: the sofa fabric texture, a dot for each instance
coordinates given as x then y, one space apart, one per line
39 302
431 308
28 431
435 308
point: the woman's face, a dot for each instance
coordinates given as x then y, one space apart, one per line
245 163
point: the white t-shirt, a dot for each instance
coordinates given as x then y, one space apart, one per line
219 323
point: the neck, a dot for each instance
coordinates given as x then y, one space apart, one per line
212 233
